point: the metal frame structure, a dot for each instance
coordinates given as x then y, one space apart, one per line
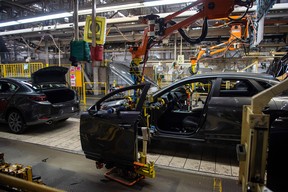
252 152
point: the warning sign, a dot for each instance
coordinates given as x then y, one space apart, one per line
75 76
73 83
180 59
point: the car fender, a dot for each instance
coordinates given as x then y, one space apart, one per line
12 108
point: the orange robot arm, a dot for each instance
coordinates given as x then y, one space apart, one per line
235 35
159 28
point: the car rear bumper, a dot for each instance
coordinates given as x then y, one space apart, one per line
52 119
54 113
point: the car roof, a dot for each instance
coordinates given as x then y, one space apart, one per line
231 75
237 74
18 79
244 75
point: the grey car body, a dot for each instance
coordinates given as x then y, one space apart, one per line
121 70
109 129
44 98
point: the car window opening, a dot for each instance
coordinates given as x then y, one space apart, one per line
184 108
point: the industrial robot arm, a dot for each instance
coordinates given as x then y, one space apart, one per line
234 42
159 28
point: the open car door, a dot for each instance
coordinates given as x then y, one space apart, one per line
108 131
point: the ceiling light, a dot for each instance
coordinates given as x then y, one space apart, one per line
121 14
46 17
125 7
165 2
132 6
98 10
8 23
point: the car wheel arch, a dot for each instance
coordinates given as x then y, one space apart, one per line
11 109
18 124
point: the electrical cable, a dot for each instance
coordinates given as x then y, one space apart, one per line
244 14
27 43
119 31
150 41
190 40
55 43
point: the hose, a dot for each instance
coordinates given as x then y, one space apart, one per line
190 40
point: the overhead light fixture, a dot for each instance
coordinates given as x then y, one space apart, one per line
46 17
165 2
10 23
121 14
133 6
70 25
98 10
123 7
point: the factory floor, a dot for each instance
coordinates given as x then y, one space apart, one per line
56 155
73 172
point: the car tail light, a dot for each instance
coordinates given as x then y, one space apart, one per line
38 98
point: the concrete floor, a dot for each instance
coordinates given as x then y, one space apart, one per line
193 158
73 172
56 155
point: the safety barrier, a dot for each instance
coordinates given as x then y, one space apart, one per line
19 69
87 91
93 91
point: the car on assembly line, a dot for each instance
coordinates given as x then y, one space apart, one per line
204 107
43 98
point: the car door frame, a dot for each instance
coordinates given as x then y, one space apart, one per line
212 135
124 124
199 134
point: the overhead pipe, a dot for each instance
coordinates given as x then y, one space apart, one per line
76 20
94 24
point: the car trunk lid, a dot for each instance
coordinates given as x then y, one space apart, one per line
53 74
59 95
52 82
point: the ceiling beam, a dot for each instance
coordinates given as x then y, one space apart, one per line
281 6
18 5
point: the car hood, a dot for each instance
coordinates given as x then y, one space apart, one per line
49 75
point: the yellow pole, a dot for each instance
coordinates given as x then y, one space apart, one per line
25 185
193 64
4 71
84 93
105 84
83 85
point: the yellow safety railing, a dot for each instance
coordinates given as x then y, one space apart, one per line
90 91
19 69
94 91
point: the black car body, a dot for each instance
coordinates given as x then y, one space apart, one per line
205 107
44 98
279 67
